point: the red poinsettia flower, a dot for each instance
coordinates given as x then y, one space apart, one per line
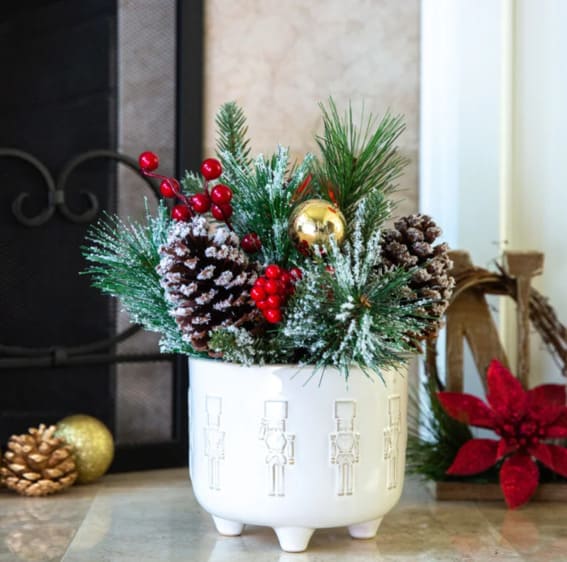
523 420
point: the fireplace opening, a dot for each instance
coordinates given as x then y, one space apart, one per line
86 87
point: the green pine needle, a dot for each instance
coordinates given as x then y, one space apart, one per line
435 437
360 163
232 134
262 200
123 258
351 314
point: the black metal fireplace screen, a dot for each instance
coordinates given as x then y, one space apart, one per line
22 362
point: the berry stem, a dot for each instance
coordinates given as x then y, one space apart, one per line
174 186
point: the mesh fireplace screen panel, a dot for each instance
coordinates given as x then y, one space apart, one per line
146 121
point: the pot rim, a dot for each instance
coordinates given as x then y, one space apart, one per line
403 363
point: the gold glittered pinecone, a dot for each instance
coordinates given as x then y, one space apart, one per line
410 244
37 463
207 278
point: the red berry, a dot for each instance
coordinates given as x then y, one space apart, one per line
273 315
260 282
273 271
148 161
166 188
222 212
217 212
180 213
285 278
201 202
221 194
227 210
211 169
257 293
274 301
262 305
283 292
251 243
296 274
272 287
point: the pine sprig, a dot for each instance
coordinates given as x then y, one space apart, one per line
240 346
232 133
360 164
366 317
123 258
435 439
262 200
191 183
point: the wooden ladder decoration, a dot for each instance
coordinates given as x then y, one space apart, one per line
469 318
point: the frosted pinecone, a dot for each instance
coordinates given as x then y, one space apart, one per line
207 278
410 244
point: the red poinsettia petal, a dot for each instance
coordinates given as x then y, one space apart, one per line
541 452
559 427
476 455
546 402
466 408
552 456
547 394
519 477
505 393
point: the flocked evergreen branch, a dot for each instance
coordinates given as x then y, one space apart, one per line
435 438
262 200
191 183
360 163
240 346
347 315
232 133
123 257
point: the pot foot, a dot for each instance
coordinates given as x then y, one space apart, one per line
294 539
366 530
228 528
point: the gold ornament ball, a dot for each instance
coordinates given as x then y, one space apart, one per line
92 444
313 222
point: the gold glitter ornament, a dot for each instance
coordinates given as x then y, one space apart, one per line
313 222
92 445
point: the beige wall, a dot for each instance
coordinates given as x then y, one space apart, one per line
279 58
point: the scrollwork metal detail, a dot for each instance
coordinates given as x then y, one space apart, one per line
96 352
56 188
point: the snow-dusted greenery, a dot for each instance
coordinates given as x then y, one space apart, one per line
347 310
348 314
123 258
262 199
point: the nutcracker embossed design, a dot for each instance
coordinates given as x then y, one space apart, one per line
214 440
279 444
345 446
391 438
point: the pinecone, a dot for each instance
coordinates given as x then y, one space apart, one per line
207 277
37 463
410 244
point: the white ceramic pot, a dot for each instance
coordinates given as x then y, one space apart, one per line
267 448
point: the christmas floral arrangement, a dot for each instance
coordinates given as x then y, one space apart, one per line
519 454
259 261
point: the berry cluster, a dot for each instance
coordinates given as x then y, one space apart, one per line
271 291
217 201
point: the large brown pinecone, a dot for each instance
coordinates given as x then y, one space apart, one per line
37 463
411 244
207 277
